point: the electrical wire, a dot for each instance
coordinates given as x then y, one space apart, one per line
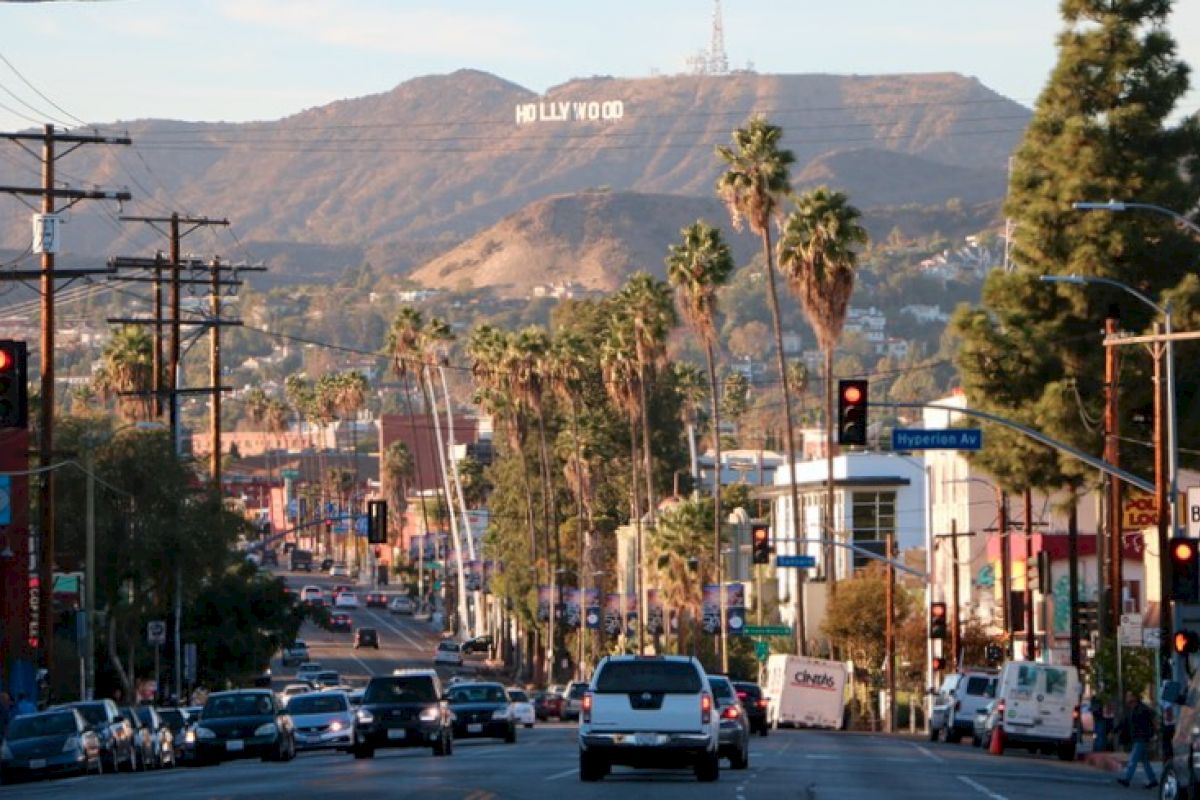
37 91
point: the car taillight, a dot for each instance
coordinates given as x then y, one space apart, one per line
1075 714
1000 709
958 705
762 703
586 707
731 712
741 695
705 708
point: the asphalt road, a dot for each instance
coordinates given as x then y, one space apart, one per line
796 765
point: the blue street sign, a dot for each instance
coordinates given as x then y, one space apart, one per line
803 562
937 439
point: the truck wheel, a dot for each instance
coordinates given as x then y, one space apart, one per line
708 768
953 736
1066 751
362 751
591 768
933 733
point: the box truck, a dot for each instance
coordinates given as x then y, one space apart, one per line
806 692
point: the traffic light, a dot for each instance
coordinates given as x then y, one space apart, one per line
1185 570
762 544
377 532
993 653
852 412
14 400
937 620
939 663
1186 642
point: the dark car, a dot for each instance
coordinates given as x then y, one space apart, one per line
755 704
177 722
547 705
480 644
482 711
244 723
341 622
377 600
270 558
161 735
735 728
326 563
143 739
50 742
116 735
366 637
403 710
302 560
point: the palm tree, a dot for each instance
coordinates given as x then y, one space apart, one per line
678 541
752 186
126 373
817 254
398 470
697 268
350 397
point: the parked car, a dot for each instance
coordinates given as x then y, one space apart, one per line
401 605
547 705
49 743
156 748
376 600
522 708
959 697
295 653
405 709
755 703
448 652
735 727
366 637
341 622
338 569
573 700
143 739
178 722
244 723
346 600
665 701
323 720
482 710
114 732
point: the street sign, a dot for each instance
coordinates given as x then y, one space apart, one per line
1193 512
156 631
1152 638
937 439
761 650
803 562
767 630
1129 634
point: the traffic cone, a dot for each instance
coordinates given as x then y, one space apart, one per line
997 746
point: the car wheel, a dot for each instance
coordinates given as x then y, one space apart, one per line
741 759
1066 751
591 768
975 741
708 768
764 729
933 733
953 736
1169 787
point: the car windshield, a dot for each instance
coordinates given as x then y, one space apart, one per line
59 723
173 718
94 713
448 647
328 677
577 691
400 690
478 694
145 714
317 704
721 689
669 677
517 696
750 690
310 667
236 705
980 686
366 632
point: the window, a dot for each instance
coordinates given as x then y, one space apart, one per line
872 518
979 686
237 705
317 704
619 677
478 694
37 725
400 690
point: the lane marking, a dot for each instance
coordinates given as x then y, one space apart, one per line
560 775
416 645
979 787
364 664
929 754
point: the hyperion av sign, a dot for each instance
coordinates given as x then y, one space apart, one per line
570 111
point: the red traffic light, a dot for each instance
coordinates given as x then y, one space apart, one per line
1182 550
1186 642
7 361
939 663
937 610
760 534
851 393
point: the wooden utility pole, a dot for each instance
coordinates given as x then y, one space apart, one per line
48 192
890 635
1006 623
1030 638
1111 617
1161 499
956 620
214 365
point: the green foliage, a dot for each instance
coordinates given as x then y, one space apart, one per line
856 619
1137 670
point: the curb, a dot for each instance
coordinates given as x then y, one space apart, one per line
1107 762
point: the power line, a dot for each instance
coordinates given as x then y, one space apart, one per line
38 92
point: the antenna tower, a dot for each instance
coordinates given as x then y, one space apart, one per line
718 62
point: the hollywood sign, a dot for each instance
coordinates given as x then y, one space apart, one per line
570 111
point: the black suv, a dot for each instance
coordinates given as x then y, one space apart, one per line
755 703
406 709
366 637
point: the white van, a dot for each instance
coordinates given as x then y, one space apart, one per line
1040 708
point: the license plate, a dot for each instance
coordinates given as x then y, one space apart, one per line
475 727
397 733
646 739
234 745
37 763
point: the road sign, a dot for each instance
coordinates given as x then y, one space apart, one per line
803 562
761 650
1152 638
1193 512
1130 635
156 631
767 630
937 439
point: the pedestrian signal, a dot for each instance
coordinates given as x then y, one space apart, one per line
1186 642
939 663
1184 583
14 401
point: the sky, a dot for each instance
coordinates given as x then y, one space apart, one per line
106 61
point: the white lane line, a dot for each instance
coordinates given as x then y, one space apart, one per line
929 754
983 790
560 775
389 624
364 664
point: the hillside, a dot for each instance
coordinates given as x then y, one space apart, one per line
440 158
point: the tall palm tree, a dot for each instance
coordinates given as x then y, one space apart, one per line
817 254
398 471
127 366
697 267
350 396
678 541
752 187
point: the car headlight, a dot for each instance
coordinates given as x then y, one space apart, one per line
500 713
268 729
364 716
189 736
430 714
336 725
205 733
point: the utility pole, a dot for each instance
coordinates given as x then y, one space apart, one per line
1111 616
956 630
215 375
48 138
1162 502
1030 638
890 635
1005 570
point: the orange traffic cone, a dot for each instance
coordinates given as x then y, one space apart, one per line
997 746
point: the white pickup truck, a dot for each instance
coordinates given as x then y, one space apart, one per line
649 712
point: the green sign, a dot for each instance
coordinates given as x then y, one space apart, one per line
766 630
290 474
761 650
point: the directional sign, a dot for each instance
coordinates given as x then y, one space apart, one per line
937 439
761 650
1193 512
5 500
767 630
802 562
156 631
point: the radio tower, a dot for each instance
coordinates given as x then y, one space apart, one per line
718 62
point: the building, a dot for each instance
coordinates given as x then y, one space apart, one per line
752 467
